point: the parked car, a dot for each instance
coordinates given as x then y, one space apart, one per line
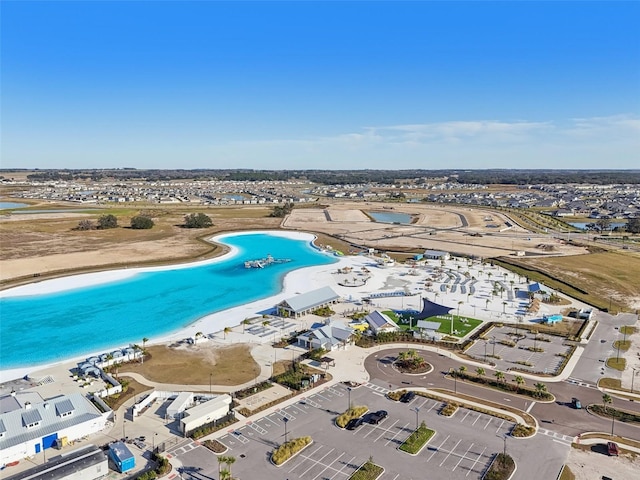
407 397
613 449
354 423
377 417
576 403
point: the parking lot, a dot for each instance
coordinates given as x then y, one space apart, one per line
547 362
461 449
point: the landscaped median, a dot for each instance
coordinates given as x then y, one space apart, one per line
353 412
417 440
502 468
367 471
290 449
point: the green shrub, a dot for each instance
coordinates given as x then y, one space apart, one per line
501 469
287 450
396 395
449 409
368 471
417 439
353 412
522 431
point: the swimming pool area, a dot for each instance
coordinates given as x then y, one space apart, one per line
152 302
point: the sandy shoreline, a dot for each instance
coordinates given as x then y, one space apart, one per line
301 280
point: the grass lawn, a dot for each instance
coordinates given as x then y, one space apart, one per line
628 330
227 366
463 325
622 344
617 363
417 439
567 474
368 471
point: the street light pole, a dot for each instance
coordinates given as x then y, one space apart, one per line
349 396
210 375
417 410
494 346
485 351
285 420
632 377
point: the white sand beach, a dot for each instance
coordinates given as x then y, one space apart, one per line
393 278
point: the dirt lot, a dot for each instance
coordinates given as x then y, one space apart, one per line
596 464
191 365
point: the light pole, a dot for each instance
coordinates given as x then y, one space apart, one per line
455 380
417 410
349 396
210 376
285 420
632 377
485 351
153 443
494 346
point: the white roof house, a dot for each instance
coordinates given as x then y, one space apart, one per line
379 322
26 432
180 404
329 337
307 302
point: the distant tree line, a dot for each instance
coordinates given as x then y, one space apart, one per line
282 211
342 177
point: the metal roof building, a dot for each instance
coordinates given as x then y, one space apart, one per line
36 427
379 322
86 463
307 302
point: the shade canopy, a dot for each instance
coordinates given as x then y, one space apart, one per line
431 309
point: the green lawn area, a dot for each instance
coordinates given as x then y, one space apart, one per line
617 363
463 325
417 439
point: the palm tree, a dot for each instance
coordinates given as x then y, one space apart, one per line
221 459
486 303
225 331
519 381
540 388
462 369
606 400
265 323
245 322
480 371
144 343
230 461
499 376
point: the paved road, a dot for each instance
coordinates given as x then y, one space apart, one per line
557 416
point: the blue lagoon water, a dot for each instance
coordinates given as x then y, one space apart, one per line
52 327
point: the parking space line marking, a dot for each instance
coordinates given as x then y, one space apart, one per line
465 417
316 462
477 418
343 467
398 433
386 430
499 426
328 466
488 422
423 403
463 457
306 457
450 452
474 463
432 406
438 448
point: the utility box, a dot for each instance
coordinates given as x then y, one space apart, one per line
122 457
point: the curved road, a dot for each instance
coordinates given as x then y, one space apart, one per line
558 416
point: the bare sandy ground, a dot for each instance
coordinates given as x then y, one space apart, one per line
595 465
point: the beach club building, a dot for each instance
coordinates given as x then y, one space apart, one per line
379 322
330 336
27 431
307 302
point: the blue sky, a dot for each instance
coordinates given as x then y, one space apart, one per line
276 85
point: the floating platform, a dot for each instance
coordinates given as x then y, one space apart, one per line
265 262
